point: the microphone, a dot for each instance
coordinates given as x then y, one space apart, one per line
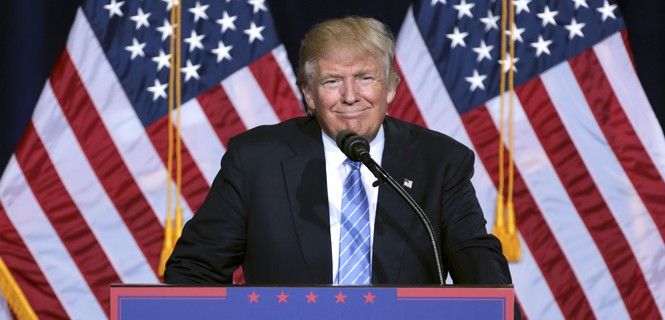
356 148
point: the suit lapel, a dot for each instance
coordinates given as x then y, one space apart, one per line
305 176
394 218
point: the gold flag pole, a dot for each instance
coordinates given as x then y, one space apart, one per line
172 229
504 224
14 295
178 149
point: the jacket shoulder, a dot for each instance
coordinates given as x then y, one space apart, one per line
269 137
412 134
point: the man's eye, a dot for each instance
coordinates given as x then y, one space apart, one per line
330 82
366 79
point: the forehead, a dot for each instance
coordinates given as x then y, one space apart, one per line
347 59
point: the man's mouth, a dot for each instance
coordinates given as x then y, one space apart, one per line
351 113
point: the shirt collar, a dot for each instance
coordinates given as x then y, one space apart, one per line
337 157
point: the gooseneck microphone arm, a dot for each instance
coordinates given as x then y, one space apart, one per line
357 149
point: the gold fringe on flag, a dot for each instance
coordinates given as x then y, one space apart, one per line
173 225
14 295
504 223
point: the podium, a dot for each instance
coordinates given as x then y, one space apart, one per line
322 302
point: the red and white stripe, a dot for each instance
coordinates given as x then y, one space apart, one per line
627 209
117 115
86 191
560 214
49 252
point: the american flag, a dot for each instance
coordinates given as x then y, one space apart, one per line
83 199
589 152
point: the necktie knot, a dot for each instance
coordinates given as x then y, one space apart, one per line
352 164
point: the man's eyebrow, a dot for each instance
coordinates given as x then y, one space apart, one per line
364 72
361 72
331 75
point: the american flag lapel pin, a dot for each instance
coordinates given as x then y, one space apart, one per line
408 183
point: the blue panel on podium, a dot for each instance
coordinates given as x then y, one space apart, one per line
173 302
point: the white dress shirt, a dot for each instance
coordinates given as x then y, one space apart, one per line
336 173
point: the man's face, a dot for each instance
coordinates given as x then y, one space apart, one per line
349 90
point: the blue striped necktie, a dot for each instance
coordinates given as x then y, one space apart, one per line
354 241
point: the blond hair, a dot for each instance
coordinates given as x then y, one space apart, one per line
366 34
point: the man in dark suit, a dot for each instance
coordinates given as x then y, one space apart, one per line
277 206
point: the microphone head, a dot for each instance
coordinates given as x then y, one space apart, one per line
352 144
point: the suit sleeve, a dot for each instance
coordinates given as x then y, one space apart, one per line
212 244
471 254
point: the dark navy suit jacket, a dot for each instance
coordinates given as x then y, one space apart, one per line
267 210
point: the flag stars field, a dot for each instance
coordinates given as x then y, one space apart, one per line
483 51
195 41
222 51
490 21
521 5
114 8
158 90
580 3
162 60
547 16
575 29
141 19
541 46
191 70
476 81
457 38
227 22
258 5
166 29
199 11
170 3
516 33
136 49
607 10
464 9
254 32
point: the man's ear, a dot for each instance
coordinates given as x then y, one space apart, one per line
392 89
392 82
309 97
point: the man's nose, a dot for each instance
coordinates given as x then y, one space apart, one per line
350 92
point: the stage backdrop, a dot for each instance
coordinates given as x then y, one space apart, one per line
83 193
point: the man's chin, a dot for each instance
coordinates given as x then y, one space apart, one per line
366 133
361 128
